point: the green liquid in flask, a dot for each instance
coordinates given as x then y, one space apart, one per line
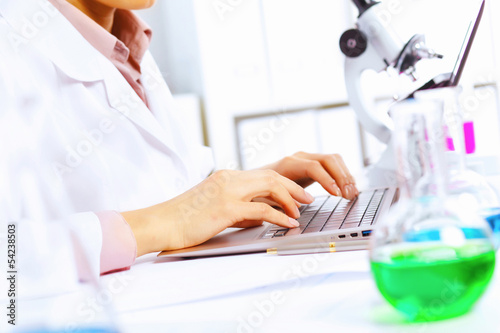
434 282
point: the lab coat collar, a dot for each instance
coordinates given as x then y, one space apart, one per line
40 25
124 99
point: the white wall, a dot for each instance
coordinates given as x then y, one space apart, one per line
272 56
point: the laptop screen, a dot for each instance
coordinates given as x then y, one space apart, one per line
465 49
453 78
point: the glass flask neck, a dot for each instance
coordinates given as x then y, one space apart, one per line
454 119
419 145
434 182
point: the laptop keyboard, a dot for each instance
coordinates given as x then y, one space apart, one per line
332 213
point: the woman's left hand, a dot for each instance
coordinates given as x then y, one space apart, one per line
327 169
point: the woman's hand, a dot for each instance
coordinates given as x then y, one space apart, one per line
225 199
328 170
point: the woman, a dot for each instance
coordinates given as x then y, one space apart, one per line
112 142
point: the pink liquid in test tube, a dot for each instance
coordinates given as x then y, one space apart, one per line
470 140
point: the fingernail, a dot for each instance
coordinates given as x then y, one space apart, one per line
297 212
356 189
336 190
353 191
309 196
347 191
293 222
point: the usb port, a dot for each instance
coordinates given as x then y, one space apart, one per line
341 236
354 234
366 233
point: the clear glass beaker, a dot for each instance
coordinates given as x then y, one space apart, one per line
466 186
429 259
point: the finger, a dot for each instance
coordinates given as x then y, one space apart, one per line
341 175
308 169
342 164
295 190
248 224
282 197
341 169
314 170
273 203
335 167
267 184
261 181
258 211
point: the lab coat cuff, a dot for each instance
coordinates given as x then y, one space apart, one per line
119 247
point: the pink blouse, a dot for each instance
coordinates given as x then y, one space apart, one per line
125 48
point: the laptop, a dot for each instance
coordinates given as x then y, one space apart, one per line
452 79
329 218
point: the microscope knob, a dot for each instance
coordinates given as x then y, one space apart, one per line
353 43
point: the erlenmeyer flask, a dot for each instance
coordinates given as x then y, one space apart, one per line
430 259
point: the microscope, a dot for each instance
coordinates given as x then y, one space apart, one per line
374 45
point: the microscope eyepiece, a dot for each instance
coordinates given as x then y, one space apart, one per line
364 5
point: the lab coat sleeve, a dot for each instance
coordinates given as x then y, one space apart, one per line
108 242
87 228
54 254
100 243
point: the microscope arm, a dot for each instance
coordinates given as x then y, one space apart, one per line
379 125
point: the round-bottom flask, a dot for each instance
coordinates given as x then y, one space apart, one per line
430 259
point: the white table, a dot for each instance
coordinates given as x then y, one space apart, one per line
261 293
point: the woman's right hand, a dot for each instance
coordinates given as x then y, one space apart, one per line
225 199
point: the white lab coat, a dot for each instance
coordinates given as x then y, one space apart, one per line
78 138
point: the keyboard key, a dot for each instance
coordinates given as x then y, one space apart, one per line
330 204
330 228
332 213
315 205
333 226
315 224
319 220
305 218
335 221
312 229
294 231
268 235
280 233
349 225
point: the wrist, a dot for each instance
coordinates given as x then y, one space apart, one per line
156 228
138 222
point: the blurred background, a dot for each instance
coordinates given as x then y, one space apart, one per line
262 79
